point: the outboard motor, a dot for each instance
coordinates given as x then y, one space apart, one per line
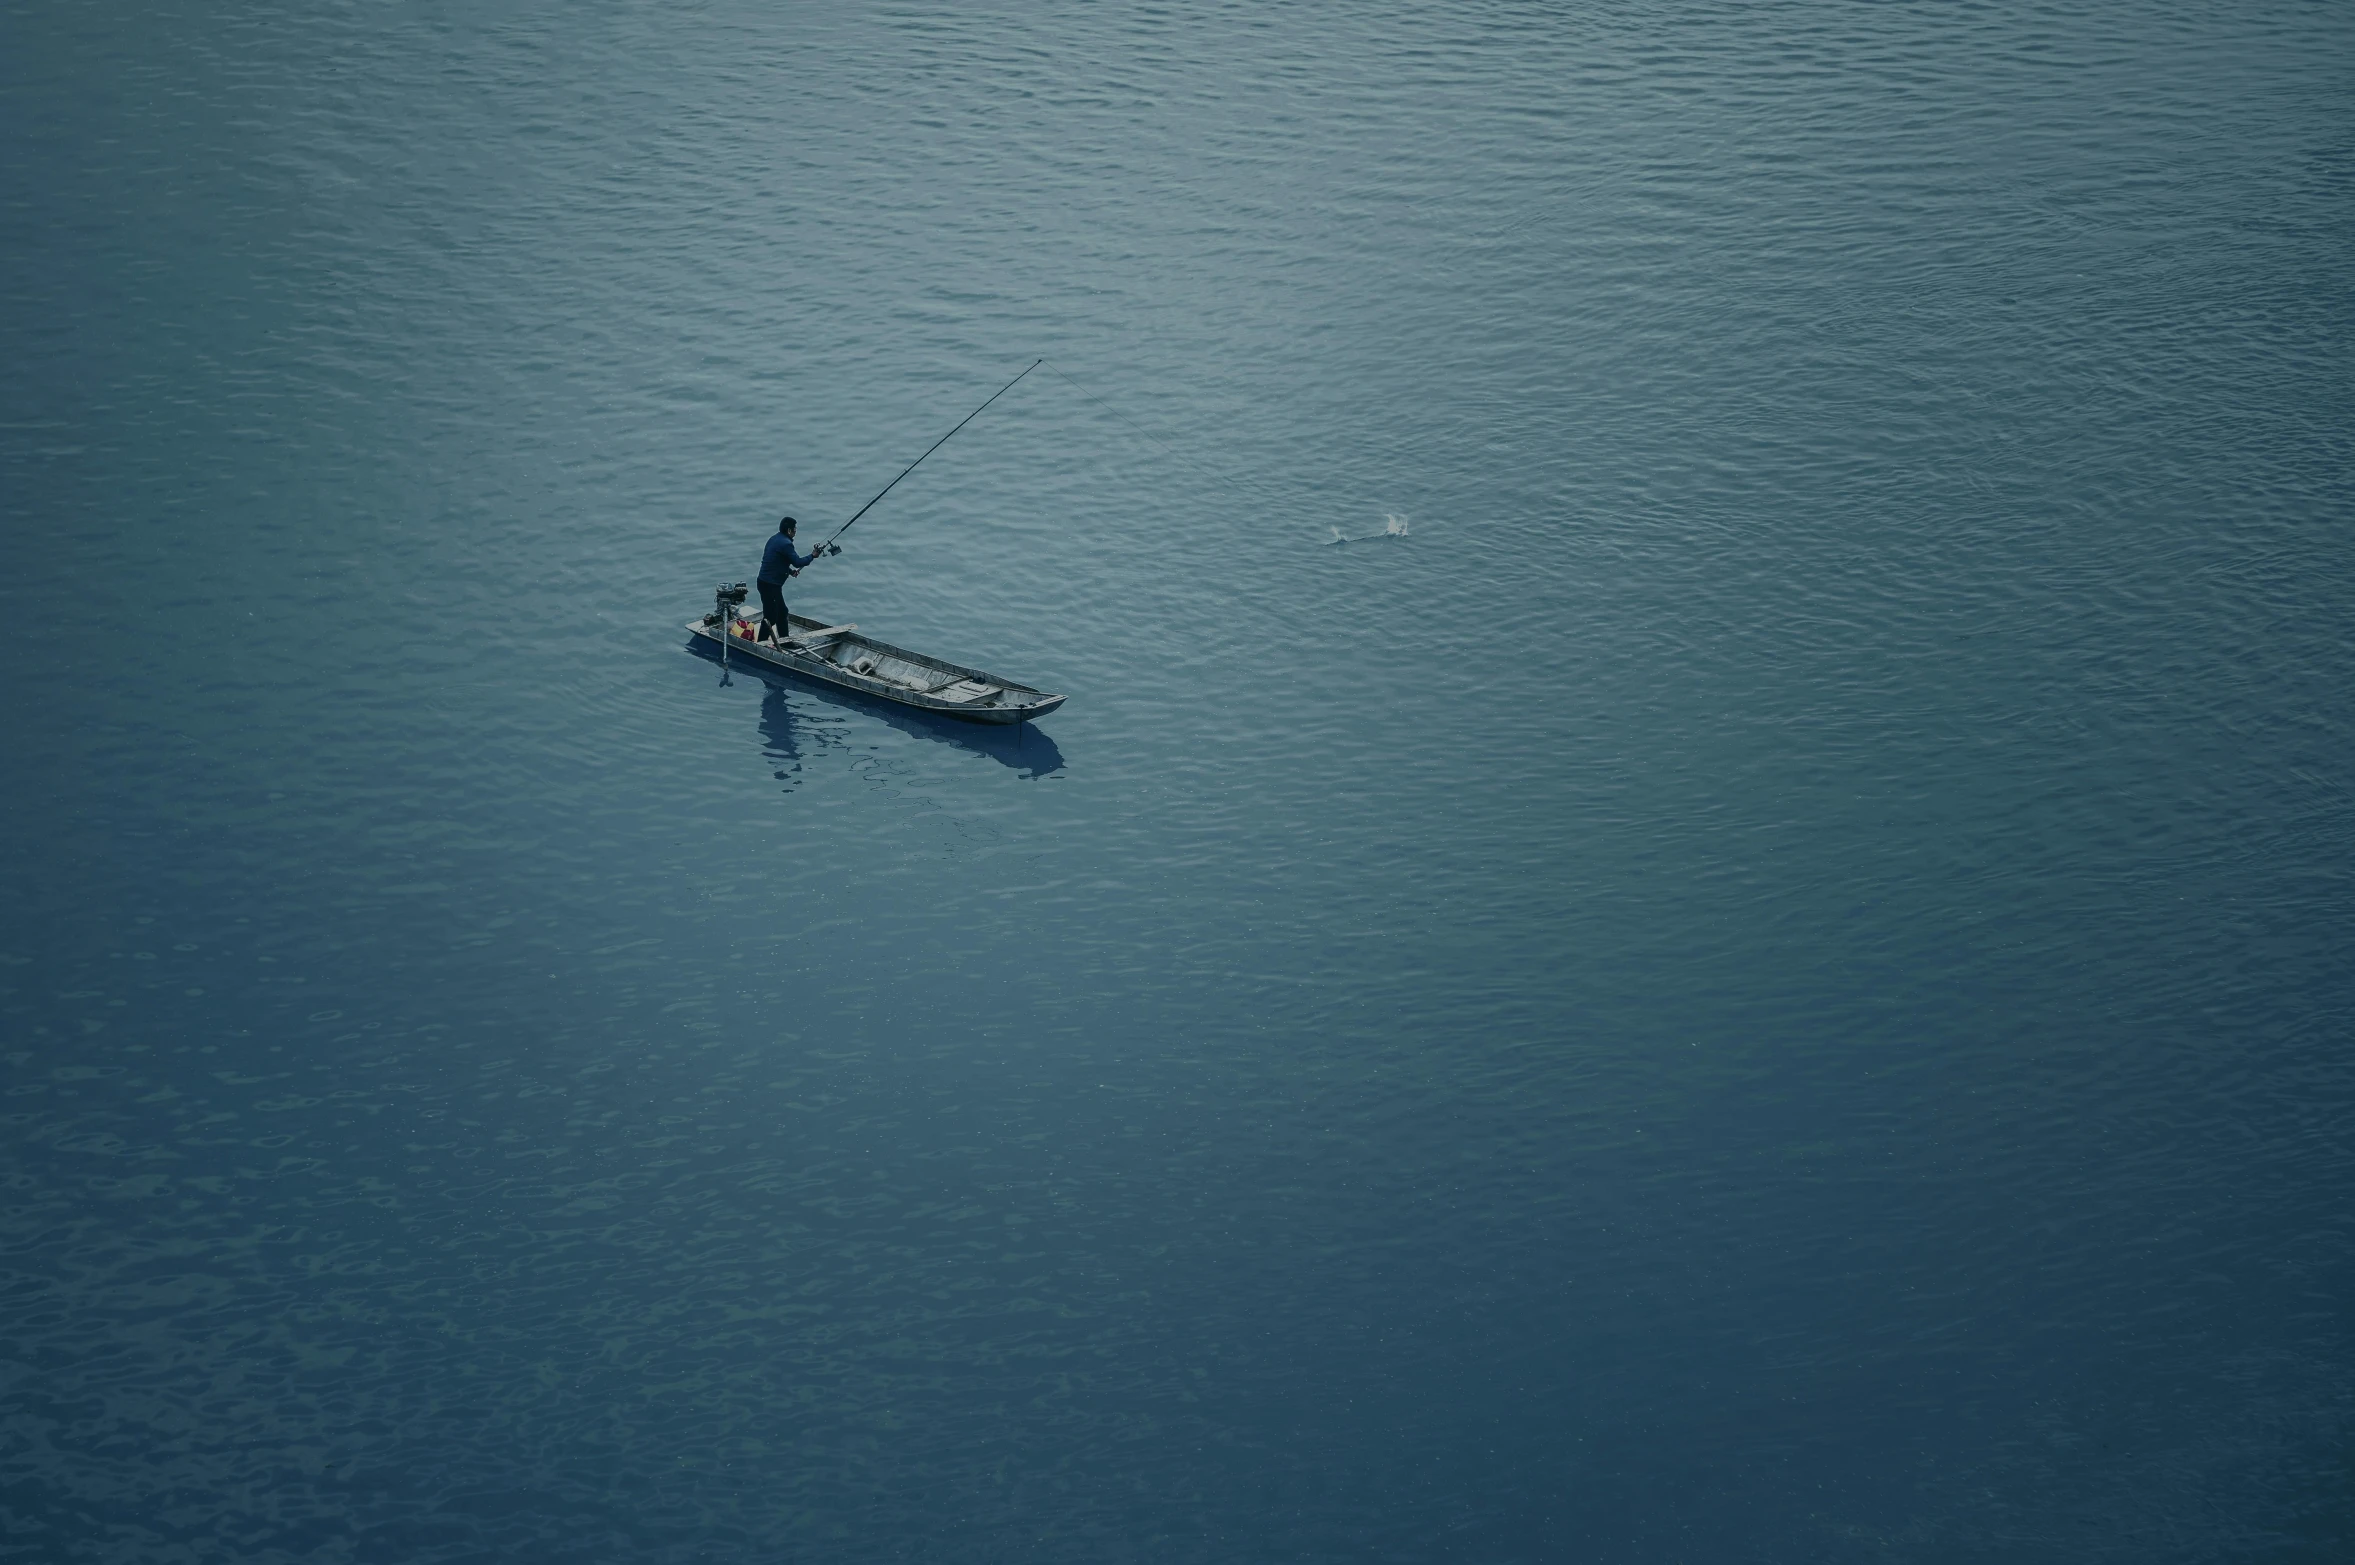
730 599
721 621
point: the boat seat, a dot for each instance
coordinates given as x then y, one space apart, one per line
962 691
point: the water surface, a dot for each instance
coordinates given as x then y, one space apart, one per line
1751 967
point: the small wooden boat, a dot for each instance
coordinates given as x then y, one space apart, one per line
839 655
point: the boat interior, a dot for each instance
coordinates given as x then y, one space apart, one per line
838 645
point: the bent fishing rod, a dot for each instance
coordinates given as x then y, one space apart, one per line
828 545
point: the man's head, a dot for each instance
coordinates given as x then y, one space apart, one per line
787 526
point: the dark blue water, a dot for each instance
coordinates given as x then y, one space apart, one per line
1754 965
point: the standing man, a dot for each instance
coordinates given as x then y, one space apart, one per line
778 562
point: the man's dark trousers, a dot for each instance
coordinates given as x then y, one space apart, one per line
774 624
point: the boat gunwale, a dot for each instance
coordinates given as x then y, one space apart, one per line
1037 703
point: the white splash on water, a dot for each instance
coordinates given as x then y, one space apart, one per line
1393 526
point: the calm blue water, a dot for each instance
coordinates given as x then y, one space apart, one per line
1754 968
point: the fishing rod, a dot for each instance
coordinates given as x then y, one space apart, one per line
919 462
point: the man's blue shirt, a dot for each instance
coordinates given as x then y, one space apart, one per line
779 560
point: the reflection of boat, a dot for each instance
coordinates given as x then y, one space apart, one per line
1028 750
838 655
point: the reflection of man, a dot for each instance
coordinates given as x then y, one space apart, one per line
776 729
778 562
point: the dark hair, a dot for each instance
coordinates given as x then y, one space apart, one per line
787 525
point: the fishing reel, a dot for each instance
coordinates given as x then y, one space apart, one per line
729 600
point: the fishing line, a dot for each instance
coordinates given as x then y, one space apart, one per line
1195 463
1234 485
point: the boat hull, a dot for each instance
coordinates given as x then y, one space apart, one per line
891 673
